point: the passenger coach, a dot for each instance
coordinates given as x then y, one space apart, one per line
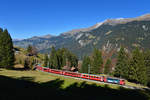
82 75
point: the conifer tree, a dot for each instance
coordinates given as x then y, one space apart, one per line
1 30
32 51
97 62
121 69
45 60
53 58
1 48
6 50
137 68
71 59
74 61
60 57
85 65
29 49
107 67
147 64
64 56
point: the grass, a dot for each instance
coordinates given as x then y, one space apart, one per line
129 83
41 77
135 85
23 85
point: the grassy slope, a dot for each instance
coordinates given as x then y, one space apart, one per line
41 77
39 85
21 56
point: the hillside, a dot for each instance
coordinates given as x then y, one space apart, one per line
22 59
107 35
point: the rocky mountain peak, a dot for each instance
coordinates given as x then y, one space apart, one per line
74 31
145 17
116 21
47 36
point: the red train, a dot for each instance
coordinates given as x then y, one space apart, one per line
82 75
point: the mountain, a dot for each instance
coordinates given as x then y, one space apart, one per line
108 35
83 29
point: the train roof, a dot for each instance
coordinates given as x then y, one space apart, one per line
103 76
86 73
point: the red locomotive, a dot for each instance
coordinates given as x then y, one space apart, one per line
82 75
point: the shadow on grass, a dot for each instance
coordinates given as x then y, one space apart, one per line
17 69
27 78
24 89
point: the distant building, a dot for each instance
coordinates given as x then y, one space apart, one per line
16 50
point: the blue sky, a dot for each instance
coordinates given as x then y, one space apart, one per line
27 18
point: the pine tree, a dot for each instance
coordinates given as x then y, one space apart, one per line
53 58
137 68
107 67
97 62
121 69
71 59
147 64
59 55
45 60
74 61
85 65
6 50
1 30
64 56
32 51
1 47
29 49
